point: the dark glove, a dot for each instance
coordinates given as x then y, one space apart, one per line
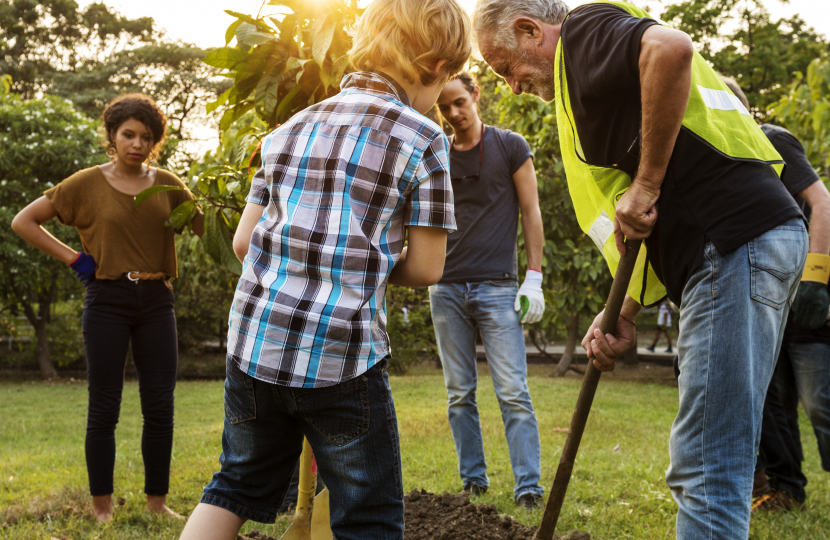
84 267
811 304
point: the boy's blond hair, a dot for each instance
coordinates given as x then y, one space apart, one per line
411 35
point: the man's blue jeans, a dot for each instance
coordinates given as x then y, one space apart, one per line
354 433
807 375
732 317
456 310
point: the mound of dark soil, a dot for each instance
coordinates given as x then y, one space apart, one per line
454 517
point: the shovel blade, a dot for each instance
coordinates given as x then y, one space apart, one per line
320 522
299 530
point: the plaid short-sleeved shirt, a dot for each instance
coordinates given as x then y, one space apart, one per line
340 181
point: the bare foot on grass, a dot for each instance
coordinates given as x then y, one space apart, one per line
158 504
102 508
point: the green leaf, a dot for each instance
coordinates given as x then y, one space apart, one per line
233 114
294 63
249 34
285 104
149 192
242 16
231 31
221 100
217 242
267 91
225 57
322 39
182 214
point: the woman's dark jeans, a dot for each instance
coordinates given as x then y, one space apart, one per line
118 313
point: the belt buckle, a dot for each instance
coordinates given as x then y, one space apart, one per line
134 280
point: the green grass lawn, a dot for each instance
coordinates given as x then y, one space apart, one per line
43 482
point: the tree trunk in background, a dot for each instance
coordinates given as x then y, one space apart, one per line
44 359
40 322
570 347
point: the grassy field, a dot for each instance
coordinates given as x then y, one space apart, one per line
613 495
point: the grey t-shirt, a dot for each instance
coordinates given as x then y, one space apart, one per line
486 209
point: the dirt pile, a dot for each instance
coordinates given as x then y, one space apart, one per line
454 517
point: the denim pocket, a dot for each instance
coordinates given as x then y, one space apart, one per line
240 400
340 413
775 257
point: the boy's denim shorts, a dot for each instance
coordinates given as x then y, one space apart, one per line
353 430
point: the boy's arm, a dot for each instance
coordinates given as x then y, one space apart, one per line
422 262
245 229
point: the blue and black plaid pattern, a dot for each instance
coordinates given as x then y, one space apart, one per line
340 182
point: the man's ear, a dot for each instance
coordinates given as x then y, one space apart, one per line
527 29
476 94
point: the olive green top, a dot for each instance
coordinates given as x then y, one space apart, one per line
120 237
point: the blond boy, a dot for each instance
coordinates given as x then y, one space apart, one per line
342 184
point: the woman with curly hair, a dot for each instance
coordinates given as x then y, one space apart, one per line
127 262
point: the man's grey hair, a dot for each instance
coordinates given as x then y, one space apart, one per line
494 18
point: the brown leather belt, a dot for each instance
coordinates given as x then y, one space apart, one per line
149 276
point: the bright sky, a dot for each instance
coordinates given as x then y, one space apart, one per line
204 22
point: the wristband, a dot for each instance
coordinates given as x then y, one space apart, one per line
627 319
817 268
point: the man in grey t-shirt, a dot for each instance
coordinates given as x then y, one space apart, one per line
493 180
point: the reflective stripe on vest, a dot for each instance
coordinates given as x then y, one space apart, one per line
713 114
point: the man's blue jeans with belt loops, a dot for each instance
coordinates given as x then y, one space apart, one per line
457 308
732 318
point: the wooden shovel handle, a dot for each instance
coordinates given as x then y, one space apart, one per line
608 325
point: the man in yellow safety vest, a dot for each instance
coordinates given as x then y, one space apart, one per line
656 147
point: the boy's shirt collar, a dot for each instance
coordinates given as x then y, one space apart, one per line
376 82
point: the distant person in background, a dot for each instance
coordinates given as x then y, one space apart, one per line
803 368
493 181
128 261
663 326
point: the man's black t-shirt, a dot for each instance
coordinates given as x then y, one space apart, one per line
486 209
705 195
798 176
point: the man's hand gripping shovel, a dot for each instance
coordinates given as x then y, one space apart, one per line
586 395
311 519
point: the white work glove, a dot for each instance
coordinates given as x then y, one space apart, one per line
532 290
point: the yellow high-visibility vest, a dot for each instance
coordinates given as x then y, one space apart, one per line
714 114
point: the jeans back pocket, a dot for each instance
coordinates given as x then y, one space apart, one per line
240 399
775 258
340 413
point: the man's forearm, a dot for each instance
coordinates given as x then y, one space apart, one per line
665 80
534 237
820 228
631 308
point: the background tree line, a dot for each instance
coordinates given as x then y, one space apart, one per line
293 54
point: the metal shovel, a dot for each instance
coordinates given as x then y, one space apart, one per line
311 518
608 325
